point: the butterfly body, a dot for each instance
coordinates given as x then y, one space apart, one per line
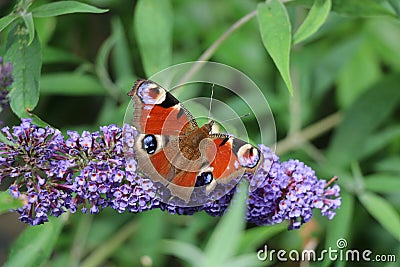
172 149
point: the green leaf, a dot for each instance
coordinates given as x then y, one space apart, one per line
7 20
380 139
45 28
395 5
28 20
27 63
328 65
367 113
385 42
245 260
382 183
225 239
275 30
36 120
195 225
257 236
364 8
64 7
7 202
341 224
363 63
35 244
395 262
66 83
121 55
184 251
152 228
388 164
153 22
382 211
111 110
56 55
315 18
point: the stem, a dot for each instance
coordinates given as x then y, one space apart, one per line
296 140
331 181
77 248
103 73
314 152
295 106
211 50
109 247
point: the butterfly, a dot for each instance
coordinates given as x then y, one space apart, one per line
172 149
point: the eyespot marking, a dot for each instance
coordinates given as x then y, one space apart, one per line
149 143
204 178
151 94
248 156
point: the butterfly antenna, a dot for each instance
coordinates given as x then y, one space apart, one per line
242 116
211 98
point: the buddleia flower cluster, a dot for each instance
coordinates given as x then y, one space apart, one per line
292 192
283 191
90 172
87 171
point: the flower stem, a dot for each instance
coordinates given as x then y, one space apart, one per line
296 140
104 251
211 50
81 235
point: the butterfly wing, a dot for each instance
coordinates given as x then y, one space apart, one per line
164 124
226 159
158 112
233 158
160 162
161 121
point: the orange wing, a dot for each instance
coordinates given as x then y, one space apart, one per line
234 157
159 112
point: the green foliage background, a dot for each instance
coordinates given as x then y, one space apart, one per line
340 60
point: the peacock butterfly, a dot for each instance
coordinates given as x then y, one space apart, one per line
173 150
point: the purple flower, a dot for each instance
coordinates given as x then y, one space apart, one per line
14 191
106 177
218 207
32 155
290 191
98 170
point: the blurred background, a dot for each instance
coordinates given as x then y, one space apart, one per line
342 119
